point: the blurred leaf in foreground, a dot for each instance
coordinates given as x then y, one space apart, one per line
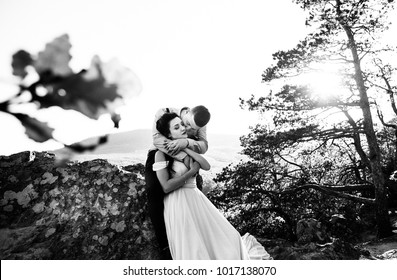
100 90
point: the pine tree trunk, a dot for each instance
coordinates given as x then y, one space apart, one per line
382 216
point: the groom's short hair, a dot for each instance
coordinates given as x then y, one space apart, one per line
201 115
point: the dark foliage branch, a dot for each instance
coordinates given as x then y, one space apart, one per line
79 148
93 92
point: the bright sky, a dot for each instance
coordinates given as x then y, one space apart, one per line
186 53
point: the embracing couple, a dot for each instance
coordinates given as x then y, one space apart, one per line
187 225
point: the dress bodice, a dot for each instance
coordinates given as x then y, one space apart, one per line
179 169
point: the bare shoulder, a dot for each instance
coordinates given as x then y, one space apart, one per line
159 156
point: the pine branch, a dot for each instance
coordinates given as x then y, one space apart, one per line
334 191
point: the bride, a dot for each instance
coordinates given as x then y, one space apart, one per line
196 230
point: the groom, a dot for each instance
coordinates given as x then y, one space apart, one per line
195 120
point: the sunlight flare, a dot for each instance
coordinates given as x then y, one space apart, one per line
324 81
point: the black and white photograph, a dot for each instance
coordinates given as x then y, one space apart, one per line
214 130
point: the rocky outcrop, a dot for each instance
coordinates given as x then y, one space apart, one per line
66 210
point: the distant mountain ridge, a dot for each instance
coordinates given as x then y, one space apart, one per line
131 147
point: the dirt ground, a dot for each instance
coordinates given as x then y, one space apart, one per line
383 249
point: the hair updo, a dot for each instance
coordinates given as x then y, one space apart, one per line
163 123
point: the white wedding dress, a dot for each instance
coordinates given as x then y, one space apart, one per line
197 230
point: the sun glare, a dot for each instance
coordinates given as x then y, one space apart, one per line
324 81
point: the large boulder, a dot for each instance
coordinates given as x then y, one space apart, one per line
67 210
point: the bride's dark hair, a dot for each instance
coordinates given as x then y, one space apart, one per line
163 123
163 126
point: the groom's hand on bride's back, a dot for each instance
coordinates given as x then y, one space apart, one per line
187 160
194 165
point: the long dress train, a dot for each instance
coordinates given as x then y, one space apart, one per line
197 230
